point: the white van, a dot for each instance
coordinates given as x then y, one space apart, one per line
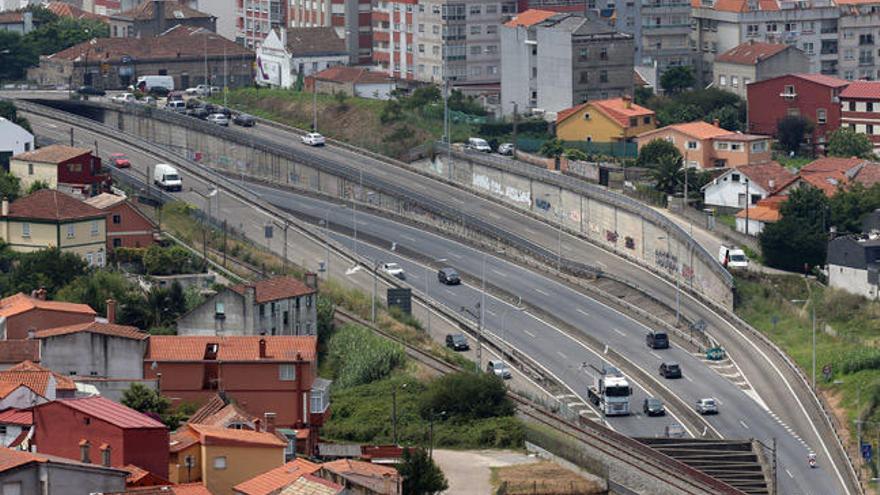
166 177
479 144
146 83
178 106
732 257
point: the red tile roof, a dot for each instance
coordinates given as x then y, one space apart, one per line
173 12
763 173
276 288
10 459
761 213
16 351
698 129
11 17
138 477
212 406
213 435
239 348
621 109
182 439
530 18
308 484
750 53
867 175
113 330
366 474
56 153
49 204
181 489
20 303
62 9
111 412
869 90
831 82
36 378
13 416
343 74
271 481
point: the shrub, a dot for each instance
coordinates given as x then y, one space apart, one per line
466 395
358 356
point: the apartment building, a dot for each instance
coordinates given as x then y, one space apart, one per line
352 20
555 61
255 18
756 61
857 31
721 25
860 109
661 29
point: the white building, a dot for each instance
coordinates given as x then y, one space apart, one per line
853 264
755 182
14 140
284 55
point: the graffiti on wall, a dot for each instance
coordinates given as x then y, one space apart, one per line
611 236
489 184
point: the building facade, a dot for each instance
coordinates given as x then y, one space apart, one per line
744 185
71 170
556 61
126 226
285 56
860 109
854 265
20 314
756 61
352 20
14 140
28 473
704 145
605 121
94 350
154 17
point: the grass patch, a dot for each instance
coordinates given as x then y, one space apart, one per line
796 162
541 478
727 219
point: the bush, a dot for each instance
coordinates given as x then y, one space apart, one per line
466 395
357 356
172 260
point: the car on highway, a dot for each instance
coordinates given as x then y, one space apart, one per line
707 406
90 91
219 119
657 339
148 100
198 112
163 92
670 370
119 160
457 342
313 139
448 276
124 98
244 120
394 270
175 106
653 406
478 144
499 369
505 149
200 90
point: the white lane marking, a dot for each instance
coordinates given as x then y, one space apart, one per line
449 292
500 274
539 291
686 377
408 237
656 355
789 474
491 312
563 356
456 256
619 332
530 334
744 425
579 310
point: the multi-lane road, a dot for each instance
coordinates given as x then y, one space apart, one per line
559 353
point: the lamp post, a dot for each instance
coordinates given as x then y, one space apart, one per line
394 410
677 277
427 294
431 432
477 313
813 311
518 307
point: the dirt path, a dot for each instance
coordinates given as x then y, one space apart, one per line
468 471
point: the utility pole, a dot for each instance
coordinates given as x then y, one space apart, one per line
71 137
775 467
207 82
813 308
515 122
747 222
375 288
314 104
224 243
477 314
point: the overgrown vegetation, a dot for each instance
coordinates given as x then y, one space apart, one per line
148 401
701 104
358 356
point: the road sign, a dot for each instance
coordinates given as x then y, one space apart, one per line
867 452
400 298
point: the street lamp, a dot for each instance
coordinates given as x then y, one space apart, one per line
206 219
518 307
431 431
394 409
813 311
677 277
427 294
477 313
326 224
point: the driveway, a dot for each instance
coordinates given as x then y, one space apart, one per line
468 471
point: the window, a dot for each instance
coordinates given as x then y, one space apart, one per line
584 76
583 54
734 81
74 167
84 447
790 26
848 54
421 26
722 80
492 70
476 29
722 147
646 120
852 106
759 147
752 30
71 231
476 10
603 76
94 231
435 49
633 121
106 455
492 8
735 146
491 29
476 50
603 54
869 106
692 145
30 169
734 177
866 39
287 372
25 229
808 48
220 462
117 242
219 310
492 49
117 219
869 129
771 27
436 29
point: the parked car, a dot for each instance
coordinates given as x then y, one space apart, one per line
499 369
448 276
505 149
653 406
175 106
119 160
394 270
90 91
657 340
707 406
670 370
313 139
200 90
457 342
244 120
124 98
479 144
219 119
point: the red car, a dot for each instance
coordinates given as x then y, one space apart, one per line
120 160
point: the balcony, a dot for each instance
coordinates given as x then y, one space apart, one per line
666 26
828 51
866 61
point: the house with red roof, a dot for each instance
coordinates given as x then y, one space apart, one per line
29 473
276 480
21 314
16 426
747 184
98 430
362 477
605 121
126 225
830 174
75 171
352 81
262 374
41 385
277 306
814 97
756 61
179 489
860 109
704 145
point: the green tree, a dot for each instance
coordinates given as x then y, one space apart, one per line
799 238
421 476
37 186
576 154
391 112
466 396
174 260
64 32
847 143
9 112
728 118
790 132
552 148
148 401
95 288
651 153
850 205
326 311
668 174
677 79
15 56
642 94
49 269
10 186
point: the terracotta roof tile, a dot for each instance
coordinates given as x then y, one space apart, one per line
13 416
213 435
238 348
112 412
182 439
312 485
56 153
862 89
105 200
356 75
372 476
212 406
11 17
173 12
617 109
49 204
698 130
276 479
180 489
10 459
750 53
568 112
530 18
868 175
123 331
232 413
763 173
314 41
761 213
273 289
62 9
831 82
20 303
16 351
36 378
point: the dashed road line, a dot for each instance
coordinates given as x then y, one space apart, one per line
500 274
744 425
563 356
539 291
619 332
530 334
579 310
656 355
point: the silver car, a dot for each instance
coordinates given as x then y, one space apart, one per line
219 119
505 149
707 406
500 369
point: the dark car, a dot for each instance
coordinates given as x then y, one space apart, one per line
448 276
244 120
198 112
457 342
161 92
194 102
90 91
212 108
653 406
657 340
670 370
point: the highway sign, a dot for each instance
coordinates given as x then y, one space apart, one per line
400 298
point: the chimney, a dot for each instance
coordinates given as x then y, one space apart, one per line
716 123
772 184
41 293
159 15
111 311
312 280
5 210
262 348
270 422
627 101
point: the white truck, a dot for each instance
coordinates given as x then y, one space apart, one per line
610 391
166 177
146 83
732 257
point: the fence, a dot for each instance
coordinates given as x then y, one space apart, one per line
621 149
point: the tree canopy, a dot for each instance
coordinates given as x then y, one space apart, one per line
847 142
651 153
799 238
677 79
790 132
421 476
466 395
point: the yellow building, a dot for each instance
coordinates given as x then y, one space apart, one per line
47 219
604 121
221 458
61 167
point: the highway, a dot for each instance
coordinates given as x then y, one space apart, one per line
562 355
